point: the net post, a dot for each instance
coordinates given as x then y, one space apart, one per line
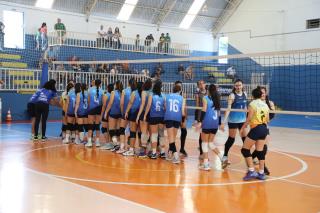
44 73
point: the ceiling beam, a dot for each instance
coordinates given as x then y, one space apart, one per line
164 11
89 7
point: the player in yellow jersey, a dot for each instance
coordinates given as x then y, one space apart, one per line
258 117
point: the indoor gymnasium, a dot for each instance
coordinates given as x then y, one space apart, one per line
159 106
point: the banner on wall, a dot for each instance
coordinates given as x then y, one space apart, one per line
225 90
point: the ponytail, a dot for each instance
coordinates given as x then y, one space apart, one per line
214 96
97 83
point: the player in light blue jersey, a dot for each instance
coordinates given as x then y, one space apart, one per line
155 109
131 114
143 124
113 114
81 110
175 110
104 129
237 100
70 114
94 112
209 122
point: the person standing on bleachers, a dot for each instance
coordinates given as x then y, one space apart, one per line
60 29
109 37
116 38
2 26
44 37
101 37
167 41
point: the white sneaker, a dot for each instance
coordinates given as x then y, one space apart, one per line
121 151
176 158
77 141
88 144
97 144
65 140
128 153
169 156
107 146
205 166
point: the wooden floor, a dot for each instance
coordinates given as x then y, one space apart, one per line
51 177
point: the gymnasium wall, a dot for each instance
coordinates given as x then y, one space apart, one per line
77 23
263 26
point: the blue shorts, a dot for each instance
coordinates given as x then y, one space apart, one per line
133 116
95 111
172 124
259 132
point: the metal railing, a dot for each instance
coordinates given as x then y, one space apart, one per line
123 43
19 79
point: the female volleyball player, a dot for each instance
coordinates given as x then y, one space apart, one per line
105 129
174 111
81 110
258 117
143 124
210 120
271 106
236 100
94 112
70 114
114 112
155 107
132 113
32 112
63 101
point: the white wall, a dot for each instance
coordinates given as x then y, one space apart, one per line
273 25
76 22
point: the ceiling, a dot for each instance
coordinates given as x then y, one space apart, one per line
157 12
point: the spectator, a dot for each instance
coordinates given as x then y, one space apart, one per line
38 39
149 40
60 29
231 73
116 38
1 35
101 37
161 42
167 42
145 72
181 69
188 75
114 70
100 69
124 68
51 56
158 72
44 37
109 37
74 66
137 42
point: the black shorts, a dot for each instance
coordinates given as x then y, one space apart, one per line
104 120
133 116
95 111
259 132
156 120
115 116
123 117
82 116
210 131
235 125
170 124
71 115
31 109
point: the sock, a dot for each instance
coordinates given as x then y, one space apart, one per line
228 145
172 147
251 169
243 139
183 138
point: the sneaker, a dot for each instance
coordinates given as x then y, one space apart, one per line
169 156
97 144
205 167
266 171
224 162
77 141
142 154
44 138
88 144
65 141
250 175
120 151
176 160
107 146
129 153
183 153
154 156
162 155
115 148
32 137
35 138
261 176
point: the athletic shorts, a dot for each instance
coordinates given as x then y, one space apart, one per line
210 131
268 131
31 109
156 120
71 115
115 116
95 111
259 132
82 116
133 116
142 116
235 125
174 124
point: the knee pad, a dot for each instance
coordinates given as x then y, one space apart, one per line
90 126
162 141
184 132
111 132
86 127
122 131
246 153
75 127
161 132
144 138
64 127
205 147
97 127
231 140
260 155
154 137
133 134
117 132
80 127
139 135
69 126
212 146
103 130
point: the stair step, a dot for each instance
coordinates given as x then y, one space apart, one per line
210 68
13 64
26 82
21 73
10 56
223 80
216 74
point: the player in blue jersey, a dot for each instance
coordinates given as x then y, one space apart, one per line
210 120
44 96
237 100
105 128
63 101
143 124
155 109
94 112
81 110
113 114
132 113
124 101
174 111
32 112
70 114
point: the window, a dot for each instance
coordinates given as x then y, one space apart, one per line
14 33
223 49
313 23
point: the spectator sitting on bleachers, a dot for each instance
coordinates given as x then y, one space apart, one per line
75 67
51 56
60 29
188 74
145 72
180 69
101 37
116 38
114 70
158 72
109 37
231 73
